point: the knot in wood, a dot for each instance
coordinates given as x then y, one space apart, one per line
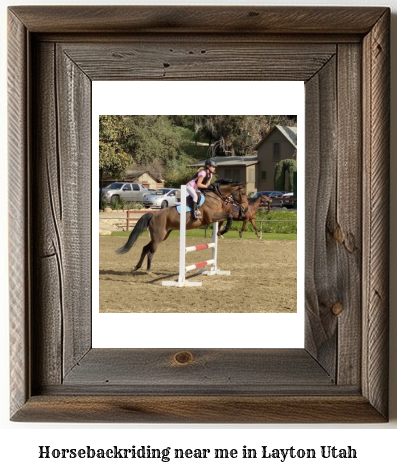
338 235
183 358
337 308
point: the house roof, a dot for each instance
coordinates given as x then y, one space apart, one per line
289 132
135 174
235 160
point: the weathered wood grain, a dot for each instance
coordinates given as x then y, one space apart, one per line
333 215
346 228
47 257
225 58
19 224
341 375
321 166
199 409
199 19
376 170
73 89
62 223
227 369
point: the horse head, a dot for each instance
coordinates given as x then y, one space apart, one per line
264 199
240 195
225 188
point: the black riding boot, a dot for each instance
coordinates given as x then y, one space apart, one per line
195 212
194 209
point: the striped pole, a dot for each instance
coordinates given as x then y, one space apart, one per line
183 250
199 265
199 247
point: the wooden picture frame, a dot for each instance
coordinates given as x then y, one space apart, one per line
342 54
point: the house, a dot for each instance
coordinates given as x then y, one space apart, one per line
144 177
242 169
257 171
279 144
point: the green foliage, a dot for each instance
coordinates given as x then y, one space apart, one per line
189 150
237 134
276 222
200 233
279 174
169 143
176 173
184 121
151 138
113 159
117 203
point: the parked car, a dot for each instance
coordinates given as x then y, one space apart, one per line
160 198
270 194
288 203
126 191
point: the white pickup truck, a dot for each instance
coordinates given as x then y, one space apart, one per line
125 191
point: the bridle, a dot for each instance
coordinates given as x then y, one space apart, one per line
231 199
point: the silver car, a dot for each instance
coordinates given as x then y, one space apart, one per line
124 191
160 198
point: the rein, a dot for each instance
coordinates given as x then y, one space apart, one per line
230 199
216 194
241 208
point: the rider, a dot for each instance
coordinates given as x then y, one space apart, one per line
201 179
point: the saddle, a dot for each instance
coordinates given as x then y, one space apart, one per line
189 201
200 199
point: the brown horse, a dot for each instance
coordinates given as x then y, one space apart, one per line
160 224
248 215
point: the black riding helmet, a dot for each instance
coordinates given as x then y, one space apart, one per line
210 162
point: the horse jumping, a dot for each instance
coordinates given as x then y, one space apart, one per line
160 224
183 251
249 214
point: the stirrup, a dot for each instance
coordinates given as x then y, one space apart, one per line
197 214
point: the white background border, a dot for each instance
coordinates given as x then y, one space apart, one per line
211 330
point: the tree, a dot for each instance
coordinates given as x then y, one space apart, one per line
113 159
177 173
237 134
151 137
287 165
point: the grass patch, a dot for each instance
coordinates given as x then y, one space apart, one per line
200 233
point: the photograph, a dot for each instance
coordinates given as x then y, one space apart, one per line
234 248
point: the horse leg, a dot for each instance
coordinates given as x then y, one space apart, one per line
166 236
152 249
228 225
220 230
240 232
145 251
255 228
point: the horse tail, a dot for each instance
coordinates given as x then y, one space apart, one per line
140 226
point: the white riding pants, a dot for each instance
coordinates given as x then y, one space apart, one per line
192 192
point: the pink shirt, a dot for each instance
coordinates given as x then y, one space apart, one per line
193 183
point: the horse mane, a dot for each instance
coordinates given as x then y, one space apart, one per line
214 187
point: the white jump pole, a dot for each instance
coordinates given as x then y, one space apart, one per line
214 270
183 250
